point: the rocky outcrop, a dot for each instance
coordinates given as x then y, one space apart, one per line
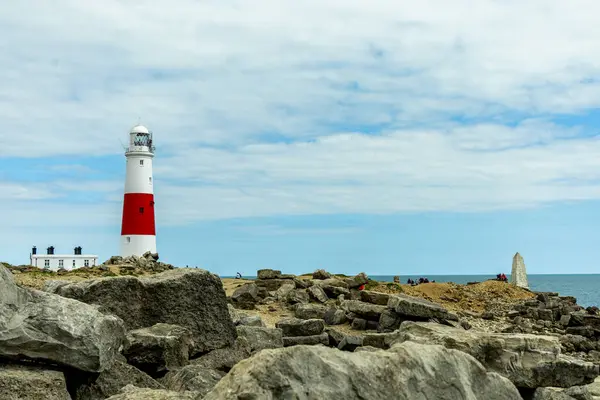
321 274
22 382
192 298
148 262
158 349
407 370
47 327
529 361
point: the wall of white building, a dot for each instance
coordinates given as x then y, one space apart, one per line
54 262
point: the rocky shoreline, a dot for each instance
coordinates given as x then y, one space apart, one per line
140 329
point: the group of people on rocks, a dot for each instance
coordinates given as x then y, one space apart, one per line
421 280
501 277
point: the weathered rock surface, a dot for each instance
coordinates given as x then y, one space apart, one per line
365 310
268 274
416 308
408 371
159 348
317 293
321 274
224 359
260 338
21 382
374 297
85 386
192 298
322 338
572 393
246 296
300 327
310 311
529 361
131 392
334 316
44 326
192 378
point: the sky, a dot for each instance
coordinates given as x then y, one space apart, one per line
390 137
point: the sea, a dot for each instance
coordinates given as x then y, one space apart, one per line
584 287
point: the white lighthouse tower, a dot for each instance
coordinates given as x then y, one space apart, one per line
138 231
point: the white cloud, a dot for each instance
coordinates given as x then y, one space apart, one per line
365 97
76 75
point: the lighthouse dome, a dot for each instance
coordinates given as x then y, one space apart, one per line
139 129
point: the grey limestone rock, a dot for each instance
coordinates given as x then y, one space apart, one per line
364 310
44 326
300 327
268 274
322 338
131 392
159 348
32 382
86 386
260 338
310 311
415 308
317 293
193 378
529 361
189 297
402 373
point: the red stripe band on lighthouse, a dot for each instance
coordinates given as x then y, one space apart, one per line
138 230
138 214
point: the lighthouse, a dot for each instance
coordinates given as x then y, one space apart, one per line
138 232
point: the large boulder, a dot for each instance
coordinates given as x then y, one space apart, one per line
405 372
158 349
321 274
44 326
189 297
21 382
529 361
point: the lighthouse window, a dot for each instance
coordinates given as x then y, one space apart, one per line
150 180
141 210
86 263
73 263
128 239
46 263
141 162
61 263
